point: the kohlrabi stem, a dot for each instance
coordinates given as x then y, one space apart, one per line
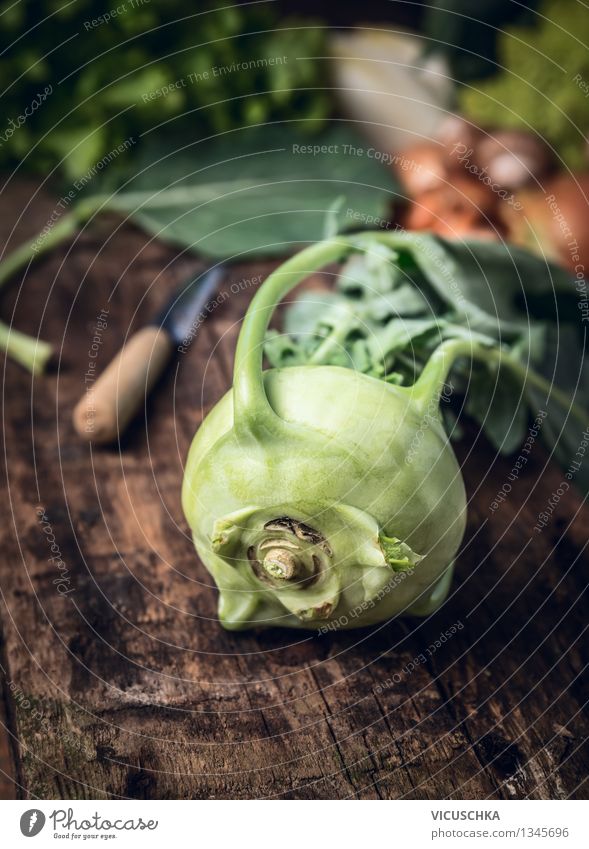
64 228
334 340
32 353
431 381
252 409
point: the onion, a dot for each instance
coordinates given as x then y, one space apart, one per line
422 167
459 207
512 158
456 131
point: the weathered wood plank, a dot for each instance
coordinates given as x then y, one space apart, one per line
8 741
127 686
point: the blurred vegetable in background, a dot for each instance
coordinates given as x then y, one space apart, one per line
543 81
385 82
256 191
468 182
90 76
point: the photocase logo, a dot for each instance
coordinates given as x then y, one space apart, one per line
32 822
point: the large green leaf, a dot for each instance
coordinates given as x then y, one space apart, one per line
255 191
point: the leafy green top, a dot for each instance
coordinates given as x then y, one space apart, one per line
393 305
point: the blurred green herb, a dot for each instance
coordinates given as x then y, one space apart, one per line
542 84
87 75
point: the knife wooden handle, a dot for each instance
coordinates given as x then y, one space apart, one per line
109 404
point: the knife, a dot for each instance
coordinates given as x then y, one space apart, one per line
112 401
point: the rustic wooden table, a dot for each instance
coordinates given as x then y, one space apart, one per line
119 682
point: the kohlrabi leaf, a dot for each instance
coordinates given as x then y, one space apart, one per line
254 191
565 436
393 304
317 307
566 366
401 333
399 556
498 403
406 300
282 350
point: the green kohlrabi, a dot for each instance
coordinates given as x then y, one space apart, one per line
326 493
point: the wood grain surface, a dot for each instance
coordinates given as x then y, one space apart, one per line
117 679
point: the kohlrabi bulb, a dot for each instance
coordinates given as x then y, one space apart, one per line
318 496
